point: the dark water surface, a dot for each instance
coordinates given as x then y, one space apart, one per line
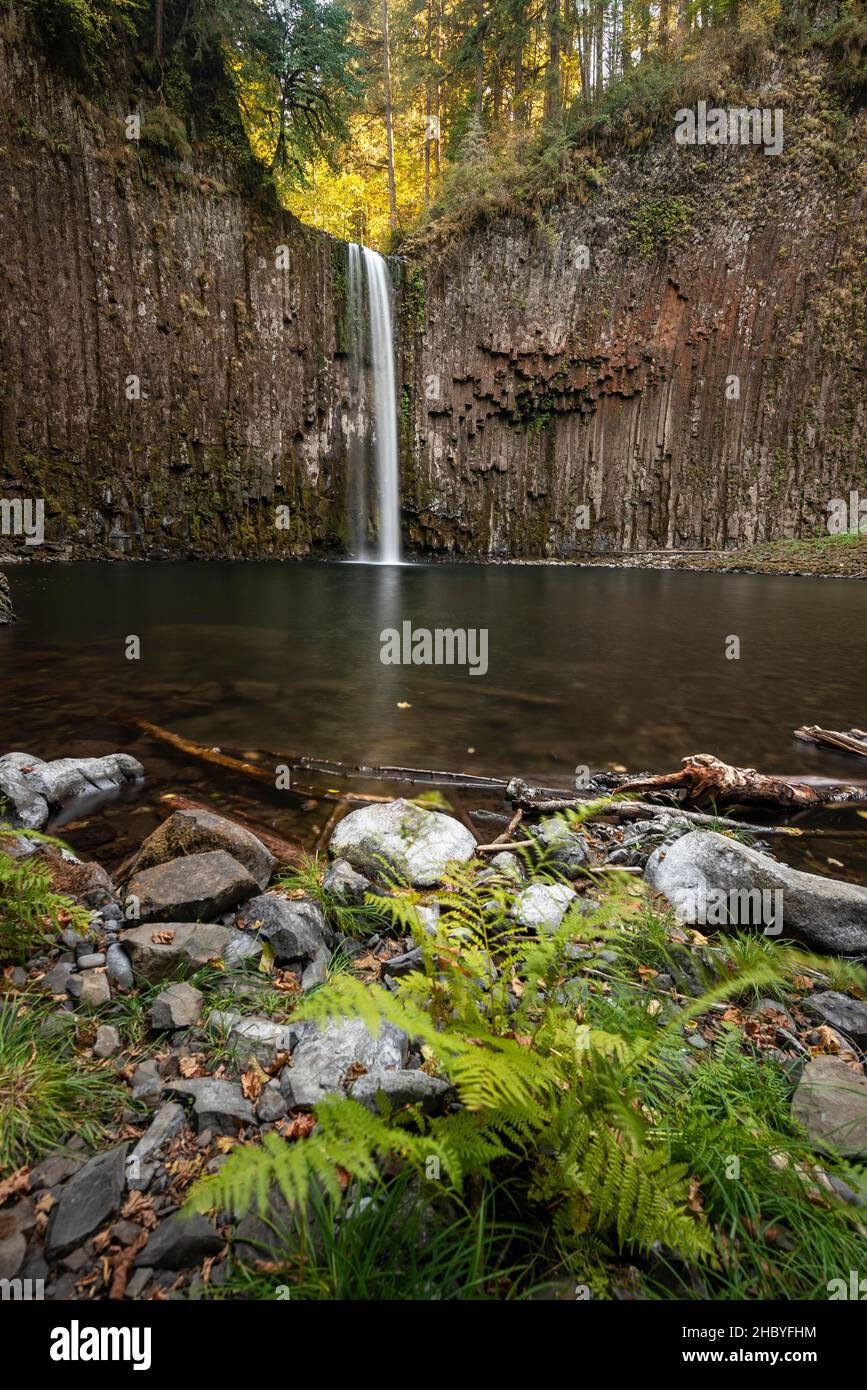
585 666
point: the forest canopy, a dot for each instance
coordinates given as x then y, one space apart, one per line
371 115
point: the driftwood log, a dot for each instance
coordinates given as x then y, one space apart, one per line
706 781
855 741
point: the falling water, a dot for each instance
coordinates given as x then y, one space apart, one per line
380 346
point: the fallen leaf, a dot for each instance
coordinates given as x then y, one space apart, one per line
252 1081
123 1264
192 1065
15 1184
297 1126
404 704
162 938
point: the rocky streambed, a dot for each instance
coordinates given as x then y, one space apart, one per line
178 986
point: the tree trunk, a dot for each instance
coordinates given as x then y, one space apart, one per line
552 71
159 8
428 106
389 128
480 59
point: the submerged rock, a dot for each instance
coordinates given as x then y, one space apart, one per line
161 950
196 887
401 840
823 911
37 789
197 832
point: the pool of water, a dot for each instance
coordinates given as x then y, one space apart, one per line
595 667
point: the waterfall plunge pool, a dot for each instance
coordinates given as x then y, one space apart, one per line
596 667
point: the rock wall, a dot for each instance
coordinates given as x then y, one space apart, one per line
169 378
124 272
699 384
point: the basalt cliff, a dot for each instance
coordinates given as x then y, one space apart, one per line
671 358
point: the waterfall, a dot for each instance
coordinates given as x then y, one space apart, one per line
379 345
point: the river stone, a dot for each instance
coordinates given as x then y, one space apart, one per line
191 944
543 905
838 1010
220 1106
261 1038
295 928
146 1084
168 1121
54 980
36 788
196 887
401 840
95 990
325 1054
179 1006
89 1199
198 831
344 884
118 966
394 1089
561 845
831 1104
823 911
107 1041
271 1104
179 1242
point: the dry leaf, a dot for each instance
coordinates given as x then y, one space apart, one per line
162 938
654 1007
297 1127
252 1081
15 1184
225 1143
192 1065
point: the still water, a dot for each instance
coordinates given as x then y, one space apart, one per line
593 667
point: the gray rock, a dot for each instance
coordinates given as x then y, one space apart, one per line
344 884
35 788
561 846
89 1199
168 1121
269 1235
397 839
316 973
838 1010
295 928
188 945
201 831
107 1042
179 1006
179 1242
394 1089
91 960
54 980
147 1084
543 905
13 1249
95 990
271 1105
831 1104
54 1170
255 1037
138 1282
823 911
194 888
219 1106
118 966
509 865
405 964
324 1055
